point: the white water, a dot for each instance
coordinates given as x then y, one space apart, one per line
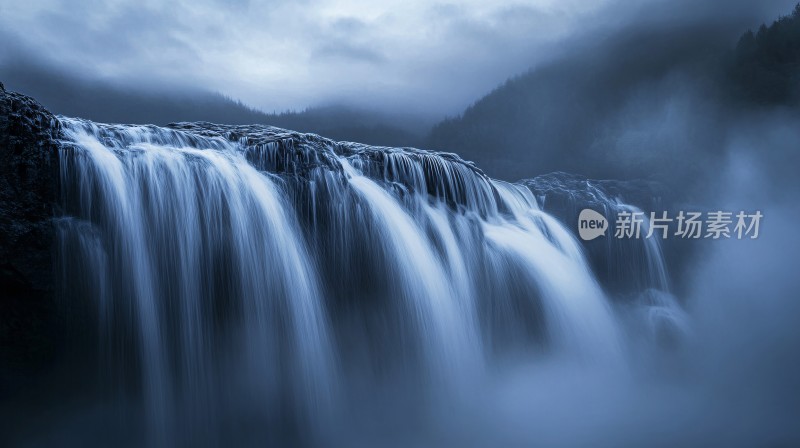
230 296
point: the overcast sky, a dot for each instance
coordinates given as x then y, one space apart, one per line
417 56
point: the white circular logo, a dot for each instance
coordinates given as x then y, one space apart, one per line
591 224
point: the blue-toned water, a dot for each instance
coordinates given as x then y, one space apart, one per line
253 285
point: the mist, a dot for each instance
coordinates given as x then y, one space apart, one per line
730 380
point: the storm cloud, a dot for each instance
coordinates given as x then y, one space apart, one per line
426 57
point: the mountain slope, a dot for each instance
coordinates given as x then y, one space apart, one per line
71 95
655 102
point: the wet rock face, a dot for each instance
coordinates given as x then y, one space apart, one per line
620 264
28 187
28 193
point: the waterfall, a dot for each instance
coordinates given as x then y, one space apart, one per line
250 273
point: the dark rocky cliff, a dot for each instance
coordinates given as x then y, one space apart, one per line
28 193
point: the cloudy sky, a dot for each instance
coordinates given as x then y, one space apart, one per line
290 54
418 56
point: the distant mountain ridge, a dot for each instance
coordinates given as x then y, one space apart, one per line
100 101
655 101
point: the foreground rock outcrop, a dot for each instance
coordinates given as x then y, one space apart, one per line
28 195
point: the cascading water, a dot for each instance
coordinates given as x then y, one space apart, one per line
247 278
632 268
